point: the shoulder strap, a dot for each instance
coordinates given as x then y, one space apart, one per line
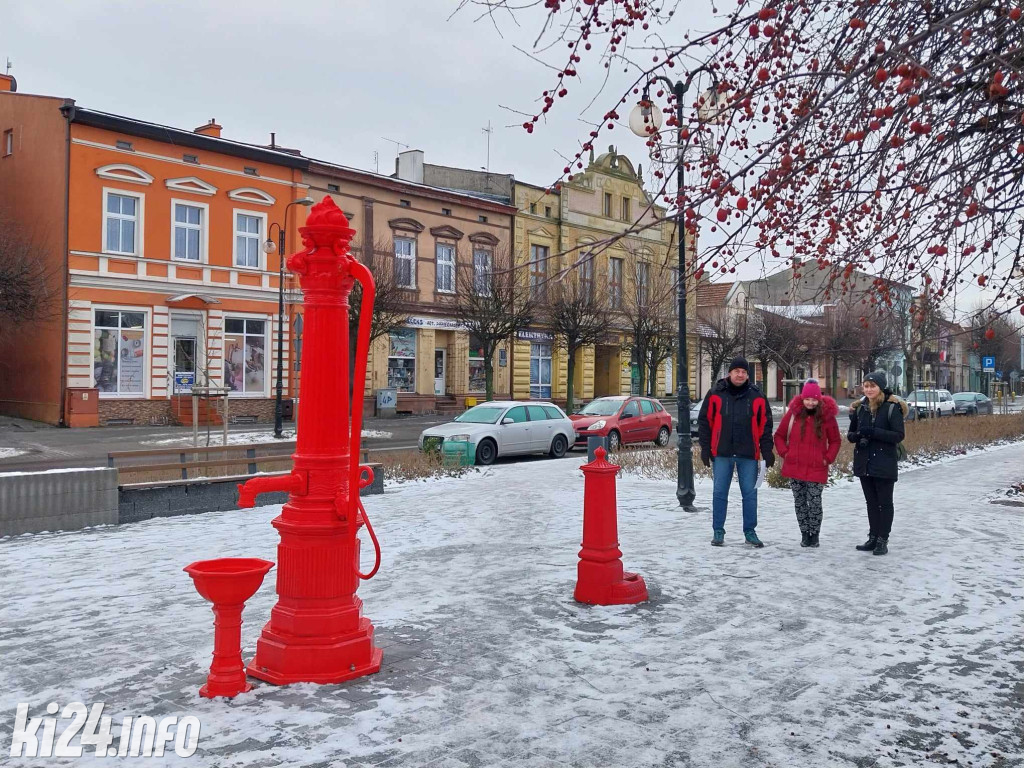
789 429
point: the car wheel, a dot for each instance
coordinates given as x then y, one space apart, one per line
614 441
663 436
486 452
558 447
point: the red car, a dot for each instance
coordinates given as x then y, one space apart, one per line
623 420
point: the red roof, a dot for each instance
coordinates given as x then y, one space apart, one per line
712 294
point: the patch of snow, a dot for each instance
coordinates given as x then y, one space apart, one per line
52 471
244 438
375 433
10 453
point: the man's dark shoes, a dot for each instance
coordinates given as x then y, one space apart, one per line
869 545
719 539
881 546
752 539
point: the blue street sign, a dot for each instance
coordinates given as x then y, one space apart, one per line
988 364
999 375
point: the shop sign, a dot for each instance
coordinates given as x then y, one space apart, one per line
439 323
535 336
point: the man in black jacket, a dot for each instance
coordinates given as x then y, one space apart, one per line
735 429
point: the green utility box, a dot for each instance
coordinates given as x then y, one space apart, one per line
457 453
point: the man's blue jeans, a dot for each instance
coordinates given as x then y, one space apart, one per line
747 471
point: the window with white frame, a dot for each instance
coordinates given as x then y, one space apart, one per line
248 240
482 272
405 262
540 371
445 268
122 223
245 344
188 232
8 142
119 352
402 360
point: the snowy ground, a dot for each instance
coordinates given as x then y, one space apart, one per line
9 453
776 657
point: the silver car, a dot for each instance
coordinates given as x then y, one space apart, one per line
506 428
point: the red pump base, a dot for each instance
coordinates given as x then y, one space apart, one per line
601 579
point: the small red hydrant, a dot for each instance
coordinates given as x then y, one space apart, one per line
600 576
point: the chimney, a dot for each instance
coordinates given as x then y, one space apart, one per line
410 165
8 83
210 129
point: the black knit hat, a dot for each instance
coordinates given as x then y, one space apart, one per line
739 362
879 378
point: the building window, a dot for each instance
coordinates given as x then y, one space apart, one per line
608 204
122 220
445 268
194 159
538 272
188 232
540 371
405 262
533 208
333 188
250 171
587 275
405 203
402 361
643 283
477 377
8 142
615 283
248 239
482 272
119 352
626 212
446 211
482 219
122 144
547 211
245 341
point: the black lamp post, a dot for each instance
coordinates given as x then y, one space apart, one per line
645 121
270 247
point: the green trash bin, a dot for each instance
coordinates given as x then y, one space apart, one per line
457 453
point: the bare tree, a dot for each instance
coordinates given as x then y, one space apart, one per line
726 338
577 319
649 312
836 338
391 303
492 302
994 335
29 291
877 336
778 338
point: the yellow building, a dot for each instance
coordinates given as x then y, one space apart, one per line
581 226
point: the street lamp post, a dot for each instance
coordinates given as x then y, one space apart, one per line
270 247
645 121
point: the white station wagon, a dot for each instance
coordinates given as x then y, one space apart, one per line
506 428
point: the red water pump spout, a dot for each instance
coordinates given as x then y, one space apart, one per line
293 482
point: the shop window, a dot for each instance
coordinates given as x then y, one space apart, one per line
540 371
402 361
245 343
119 352
477 375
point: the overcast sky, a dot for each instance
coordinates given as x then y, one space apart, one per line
333 78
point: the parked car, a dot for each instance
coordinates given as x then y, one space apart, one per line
694 413
972 403
505 428
925 402
623 420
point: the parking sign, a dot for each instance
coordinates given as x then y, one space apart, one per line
988 364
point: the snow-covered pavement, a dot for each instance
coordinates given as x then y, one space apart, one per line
776 657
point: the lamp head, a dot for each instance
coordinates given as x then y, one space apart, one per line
269 246
645 118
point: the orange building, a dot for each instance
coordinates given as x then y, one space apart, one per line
154 238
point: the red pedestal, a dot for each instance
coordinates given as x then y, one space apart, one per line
316 631
601 579
227 583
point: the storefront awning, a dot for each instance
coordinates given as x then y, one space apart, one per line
201 296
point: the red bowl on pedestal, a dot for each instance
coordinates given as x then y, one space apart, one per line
228 580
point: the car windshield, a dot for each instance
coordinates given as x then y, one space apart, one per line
480 414
923 396
603 407
964 396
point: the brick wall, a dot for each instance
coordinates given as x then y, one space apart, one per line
140 411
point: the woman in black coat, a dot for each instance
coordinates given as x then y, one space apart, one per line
876 429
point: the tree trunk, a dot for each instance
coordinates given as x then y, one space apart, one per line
569 399
835 362
764 376
488 378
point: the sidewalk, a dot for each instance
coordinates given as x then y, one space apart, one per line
742 658
28 445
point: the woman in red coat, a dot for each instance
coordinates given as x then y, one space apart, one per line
808 442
